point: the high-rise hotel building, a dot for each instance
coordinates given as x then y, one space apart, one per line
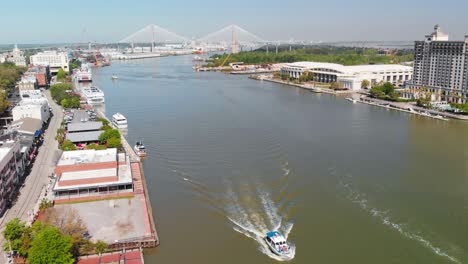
441 66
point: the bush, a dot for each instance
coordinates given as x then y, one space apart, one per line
114 142
61 74
67 145
97 147
106 135
104 121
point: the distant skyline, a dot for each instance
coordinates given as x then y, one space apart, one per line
32 22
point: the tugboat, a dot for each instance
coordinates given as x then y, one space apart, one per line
278 245
140 149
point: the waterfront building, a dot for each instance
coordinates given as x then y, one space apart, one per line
441 66
349 77
9 178
88 173
55 60
84 132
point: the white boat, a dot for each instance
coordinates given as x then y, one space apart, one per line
351 100
278 244
140 149
440 117
119 121
114 77
83 74
93 95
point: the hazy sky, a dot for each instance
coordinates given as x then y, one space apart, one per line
53 21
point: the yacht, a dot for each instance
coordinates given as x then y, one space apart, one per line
140 149
84 74
114 77
93 95
278 244
119 121
351 100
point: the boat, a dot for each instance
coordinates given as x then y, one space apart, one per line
198 58
140 149
83 74
119 121
93 95
439 117
278 244
351 100
114 77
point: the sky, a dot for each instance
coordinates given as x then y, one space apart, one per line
106 21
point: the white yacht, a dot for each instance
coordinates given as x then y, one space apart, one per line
278 245
93 95
140 149
119 121
84 74
351 100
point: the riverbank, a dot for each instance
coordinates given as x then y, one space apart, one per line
358 97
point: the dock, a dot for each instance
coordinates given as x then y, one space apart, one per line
151 239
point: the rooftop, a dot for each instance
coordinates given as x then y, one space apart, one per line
87 156
87 136
350 69
123 174
27 125
83 126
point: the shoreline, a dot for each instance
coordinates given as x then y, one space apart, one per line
140 190
374 102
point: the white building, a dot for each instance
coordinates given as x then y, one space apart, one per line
55 60
33 104
350 77
38 111
28 83
17 57
9 151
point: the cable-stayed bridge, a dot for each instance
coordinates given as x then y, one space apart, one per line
232 37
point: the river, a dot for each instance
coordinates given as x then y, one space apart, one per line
231 158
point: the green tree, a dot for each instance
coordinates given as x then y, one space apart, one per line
67 145
388 88
104 121
111 133
61 74
49 246
13 232
114 142
365 84
100 247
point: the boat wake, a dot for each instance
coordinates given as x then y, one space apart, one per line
255 213
385 218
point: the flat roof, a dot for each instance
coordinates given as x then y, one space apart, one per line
83 126
124 174
350 69
28 125
87 156
84 136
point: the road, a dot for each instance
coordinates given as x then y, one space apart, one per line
38 179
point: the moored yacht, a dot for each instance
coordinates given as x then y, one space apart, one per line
83 74
119 121
93 95
140 149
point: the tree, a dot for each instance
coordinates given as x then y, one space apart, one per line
13 232
100 246
104 121
67 145
111 133
365 84
61 74
388 88
114 142
96 147
49 246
